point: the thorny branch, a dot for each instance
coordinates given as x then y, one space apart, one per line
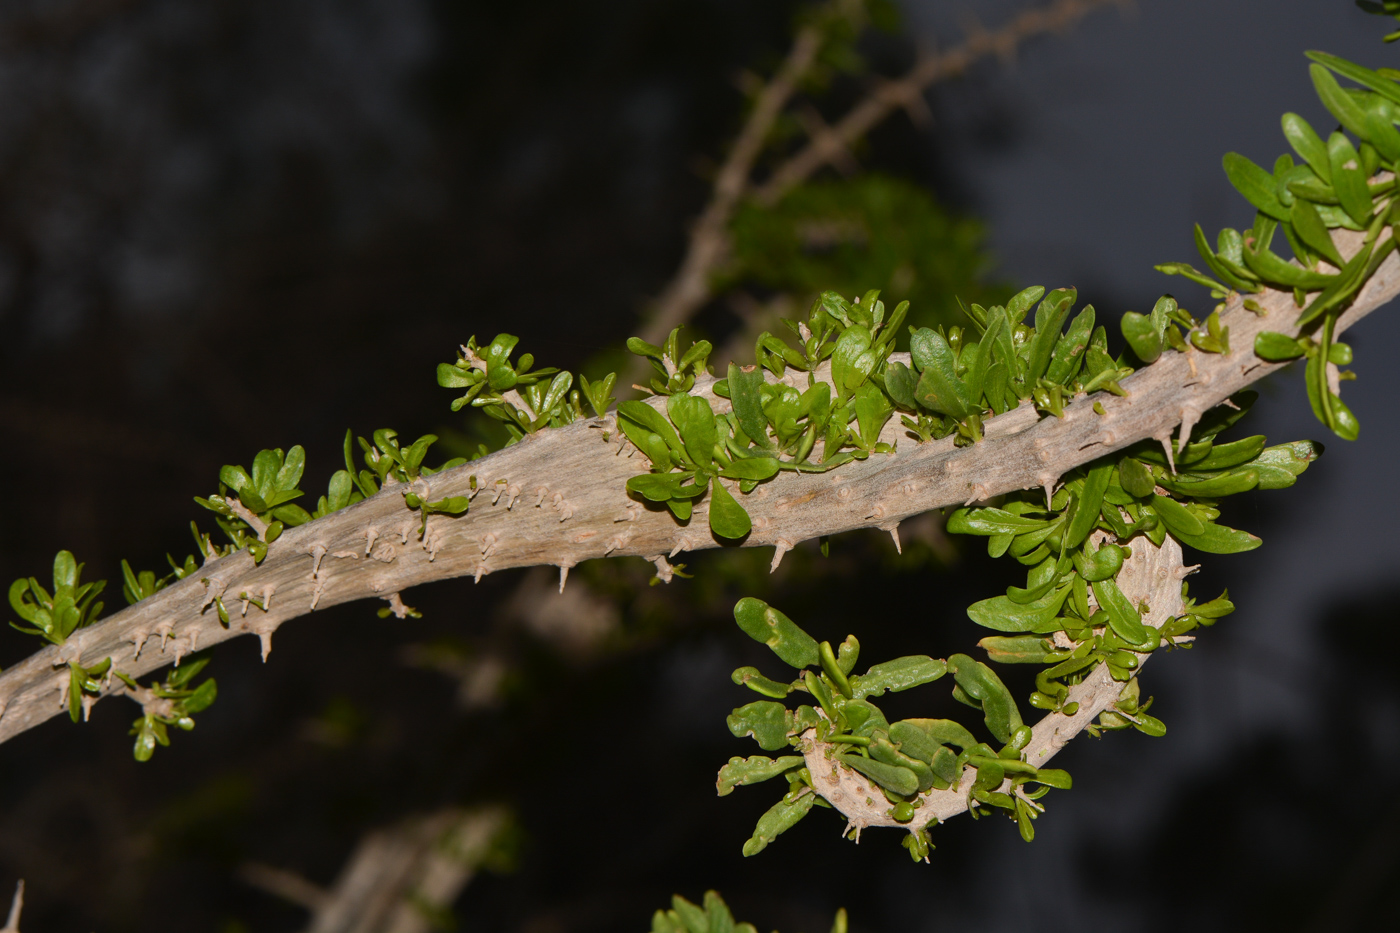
559 497
708 246
1152 575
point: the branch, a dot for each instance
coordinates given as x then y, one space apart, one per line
1152 575
559 497
708 246
397 877
709 237
907 92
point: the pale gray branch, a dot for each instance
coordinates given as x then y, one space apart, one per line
559 497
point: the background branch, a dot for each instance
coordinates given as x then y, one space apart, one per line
708 245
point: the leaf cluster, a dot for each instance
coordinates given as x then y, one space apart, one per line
1332 184
712 916
523 399
906 759
182 701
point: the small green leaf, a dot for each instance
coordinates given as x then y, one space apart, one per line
898 675
727 517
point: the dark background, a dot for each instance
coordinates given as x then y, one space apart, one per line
234 225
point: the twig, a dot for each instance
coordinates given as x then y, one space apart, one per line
1020 450
709 237
826 148
708 246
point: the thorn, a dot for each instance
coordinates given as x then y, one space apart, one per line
542 491
267 592
682 545
617 542
138 638
488 544
480 571
563 575
396 605
192 634
181 649
316 593
371 535
265 640
663 568
317 552
633 510
780 547
163 630
1190 416
894 533
88 701
501 485
512 493
1167 446
1181 573
979 492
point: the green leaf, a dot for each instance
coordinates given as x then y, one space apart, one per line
1069 349
1271 267
938 388
1086 513
767 721
1217 539
745 392
1278 467
981 684
899 779
919 735
751 468
1178 518
1307 223
1256 184
781 817
989 521
1016 649
743 771
1142 336
1002 614
898 675
642 415
765 624
1308 145
727 517
1049 318
1123 616
1275 347
695 421
751 678
1362 76
1338 102
1348 179
1135 477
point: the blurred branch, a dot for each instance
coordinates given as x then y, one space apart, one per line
16 905
398 880
829 147
708 246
